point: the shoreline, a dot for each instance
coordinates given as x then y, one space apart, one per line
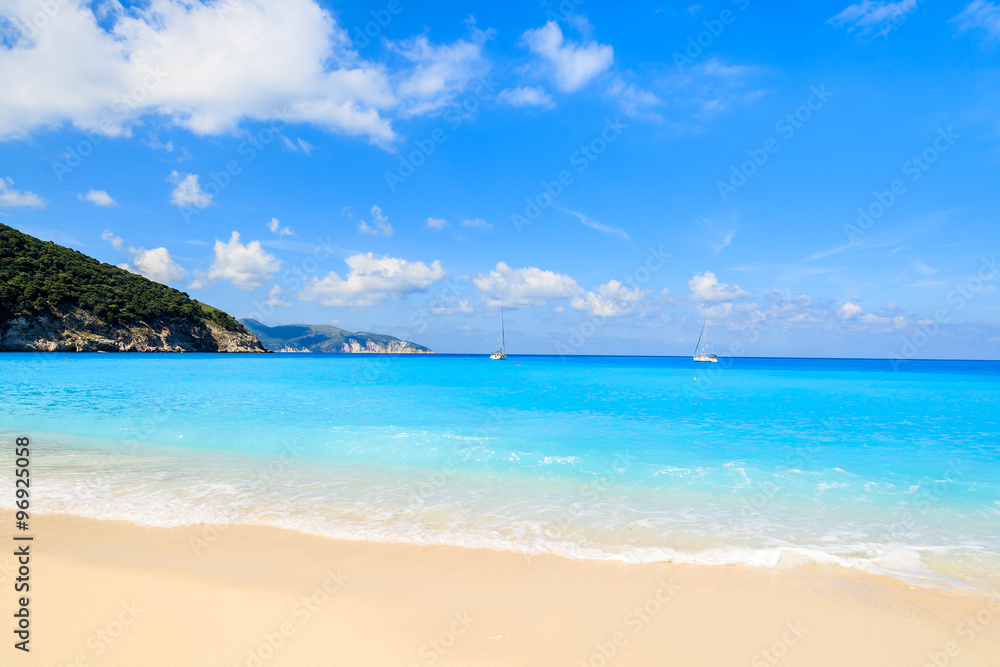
115 593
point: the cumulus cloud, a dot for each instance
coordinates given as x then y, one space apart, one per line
529 286
574 63
98 198
437 223
274 297
187 191
372 280
201 66
706 287
380 224
155 264
980 14
524 96
245 266
11 197
882 321
612 299
849 310
476 222
275 226
439 72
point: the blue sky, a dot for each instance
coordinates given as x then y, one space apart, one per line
817 179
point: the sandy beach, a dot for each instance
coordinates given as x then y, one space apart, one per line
113 593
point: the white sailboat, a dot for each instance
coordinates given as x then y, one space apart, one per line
704 354
501 353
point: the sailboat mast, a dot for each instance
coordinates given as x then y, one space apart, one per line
698 344
502 342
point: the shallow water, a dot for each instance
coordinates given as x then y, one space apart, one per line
773 462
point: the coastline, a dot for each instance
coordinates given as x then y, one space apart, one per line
115 593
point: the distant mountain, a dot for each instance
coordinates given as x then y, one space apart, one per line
54 299
324 338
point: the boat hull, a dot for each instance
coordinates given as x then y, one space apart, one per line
707 357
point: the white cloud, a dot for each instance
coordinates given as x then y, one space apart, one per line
594 224
245 266
380 224
923 268
525 96
115 241
634 101
574 63
299 145
527 286
980 14
98 197
158 265
275 226
11 197
371 281
202 66
883 321
711 87
476 222
155 264
870 14
609 300
849 310
274 297
439 72
187 191
706 287
437 223
461 307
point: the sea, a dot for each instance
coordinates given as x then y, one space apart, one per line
886 467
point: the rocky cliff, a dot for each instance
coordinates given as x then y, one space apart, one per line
76 330
325 338
54 299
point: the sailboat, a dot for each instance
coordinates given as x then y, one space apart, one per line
501 353
704 355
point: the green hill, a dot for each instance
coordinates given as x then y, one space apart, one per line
53 298
325 338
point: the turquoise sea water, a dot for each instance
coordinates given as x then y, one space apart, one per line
773 462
